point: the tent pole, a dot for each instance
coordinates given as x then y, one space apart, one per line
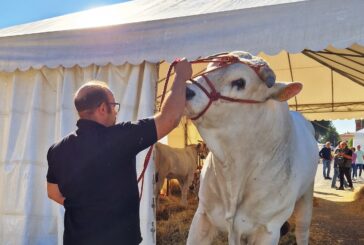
291 72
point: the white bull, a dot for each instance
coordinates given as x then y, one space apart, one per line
177 163
262 160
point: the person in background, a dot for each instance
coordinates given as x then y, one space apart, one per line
359 159
344 155
353 169
336 166
326 156
92 171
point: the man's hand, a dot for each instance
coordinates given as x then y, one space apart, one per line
54 193
183 70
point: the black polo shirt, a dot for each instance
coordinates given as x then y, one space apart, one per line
95 170
325 153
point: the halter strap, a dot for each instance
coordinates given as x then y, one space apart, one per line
214 95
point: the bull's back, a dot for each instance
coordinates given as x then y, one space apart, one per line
304 150
175 161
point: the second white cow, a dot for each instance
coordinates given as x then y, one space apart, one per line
262 160
177 163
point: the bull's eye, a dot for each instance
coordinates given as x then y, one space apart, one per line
239 84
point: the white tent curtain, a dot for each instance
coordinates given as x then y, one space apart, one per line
36 109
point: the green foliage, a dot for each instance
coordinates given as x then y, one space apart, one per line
325 131
350 143
332 136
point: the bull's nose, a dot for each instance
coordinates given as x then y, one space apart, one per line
189 93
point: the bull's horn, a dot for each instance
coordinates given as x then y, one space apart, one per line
267 75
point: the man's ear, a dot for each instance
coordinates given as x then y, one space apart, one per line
283 92
102 108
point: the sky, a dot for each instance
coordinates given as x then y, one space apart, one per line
15 12
344 126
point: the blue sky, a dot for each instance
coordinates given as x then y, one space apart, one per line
344 126
15 12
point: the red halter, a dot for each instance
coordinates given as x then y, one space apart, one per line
214 95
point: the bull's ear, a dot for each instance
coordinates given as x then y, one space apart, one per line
284 92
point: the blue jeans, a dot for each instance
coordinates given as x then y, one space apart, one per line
360 167
326 167
354 169
336 175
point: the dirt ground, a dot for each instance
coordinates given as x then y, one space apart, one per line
338 217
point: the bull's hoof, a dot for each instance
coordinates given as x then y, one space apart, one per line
285 228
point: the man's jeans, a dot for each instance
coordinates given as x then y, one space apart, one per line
326 167
336 175
354 170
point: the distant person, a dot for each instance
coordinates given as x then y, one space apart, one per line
359 159
336 169
343 156
326 156
353 169
336 166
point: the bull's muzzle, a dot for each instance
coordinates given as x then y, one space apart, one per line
189 93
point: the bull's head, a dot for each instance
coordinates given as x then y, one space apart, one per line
202 149
244 79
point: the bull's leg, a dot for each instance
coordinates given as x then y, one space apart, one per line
160 176
201 232
303 214
234 237
185 185
184 188
263 237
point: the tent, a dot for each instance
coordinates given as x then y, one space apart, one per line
359 138
129 44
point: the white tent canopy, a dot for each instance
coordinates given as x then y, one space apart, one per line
42 63
162 30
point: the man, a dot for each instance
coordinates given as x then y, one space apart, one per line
92 171
326 156
343 154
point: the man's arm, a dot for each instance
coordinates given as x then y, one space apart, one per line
172 109
347 154
54 193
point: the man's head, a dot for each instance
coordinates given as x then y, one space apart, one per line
328 144
95 101
358 147
343 144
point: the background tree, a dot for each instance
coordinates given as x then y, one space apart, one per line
332 136
325 131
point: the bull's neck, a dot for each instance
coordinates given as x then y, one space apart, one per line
249 135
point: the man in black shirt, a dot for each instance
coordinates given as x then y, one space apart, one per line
326 156
345 155
92 171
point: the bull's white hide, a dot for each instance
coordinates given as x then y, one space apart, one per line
262 161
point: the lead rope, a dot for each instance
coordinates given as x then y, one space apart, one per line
149 153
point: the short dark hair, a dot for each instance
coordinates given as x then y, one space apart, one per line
93 97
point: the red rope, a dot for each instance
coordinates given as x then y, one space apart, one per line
149 153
